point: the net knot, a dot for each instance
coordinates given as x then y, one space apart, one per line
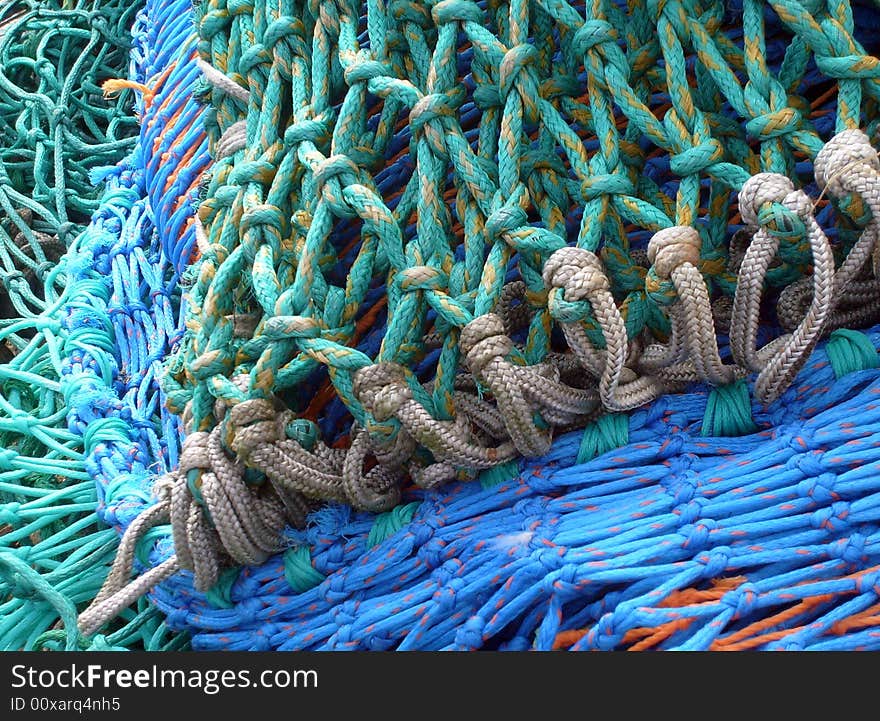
578 271
364 69
421 277
515 62
672 247
775 124
312 129
382 389
593 34
253 423
505 219
483 340
336 167
435 106
847 153
759 190
450 11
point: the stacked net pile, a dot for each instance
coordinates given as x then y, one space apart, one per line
55 129
79 395
437 237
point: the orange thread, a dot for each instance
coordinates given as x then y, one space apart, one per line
660 634
740 641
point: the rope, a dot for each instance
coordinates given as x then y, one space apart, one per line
56 135
304 221
78 394
766 541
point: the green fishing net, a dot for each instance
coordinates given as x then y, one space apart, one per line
57 131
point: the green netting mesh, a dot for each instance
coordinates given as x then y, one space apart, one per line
57 130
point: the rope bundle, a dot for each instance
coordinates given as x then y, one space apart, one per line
675 541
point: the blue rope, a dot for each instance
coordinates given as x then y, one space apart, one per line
599 544
793 508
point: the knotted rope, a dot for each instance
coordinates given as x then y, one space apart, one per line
80 334
509 117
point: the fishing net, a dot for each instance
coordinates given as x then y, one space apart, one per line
81 347
55 128
504 325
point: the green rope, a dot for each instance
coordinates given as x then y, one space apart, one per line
144 628
219 594
25 582
729 411
301 575
496 475
606 433
849 351
389 523
56 130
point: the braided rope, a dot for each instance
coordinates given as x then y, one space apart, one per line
768 541
56 134
80 400
505 117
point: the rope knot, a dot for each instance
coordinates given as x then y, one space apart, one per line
364 69
743 599
264 214
696 159
487 96
194 453
759 190
7 456
483 340
435 106
774 124
849 67
606 184
253 423
332 175
21 588
515 62
846 154
715 562
382 389
672 247
288 327
13 281
672 11
450 11
335 167
851 550
421 277
783 221
9 514
560 86
504 220
591 34
314 130
578 271
210 363
253 171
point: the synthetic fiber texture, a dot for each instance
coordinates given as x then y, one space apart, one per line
454 325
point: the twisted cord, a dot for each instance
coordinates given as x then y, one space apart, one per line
299 235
